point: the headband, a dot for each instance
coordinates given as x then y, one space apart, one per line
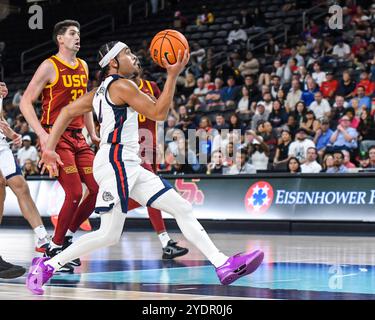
111 54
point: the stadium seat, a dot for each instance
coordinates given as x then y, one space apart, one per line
214 27
222 34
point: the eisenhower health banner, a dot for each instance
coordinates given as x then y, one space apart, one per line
334 198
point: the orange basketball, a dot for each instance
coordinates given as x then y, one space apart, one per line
166 44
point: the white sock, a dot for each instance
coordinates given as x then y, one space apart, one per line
172 203
69 233
164 238
41 232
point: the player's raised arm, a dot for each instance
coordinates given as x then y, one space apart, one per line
128 92
45 74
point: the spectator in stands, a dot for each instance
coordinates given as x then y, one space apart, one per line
220 122
346 86
185 125
196 57
260 115
346 162
308 95
291 125
320 106
30 169
371 153
338 166
278 115
200 91
259 153
299 147
17 98
271 49
189 85
206 17
328 162
169 128
354 120
235 122
231 93
311 165
310 123
318 75
293 96
281 156
208 84
27 152
237 35
241 165
267 101
364 160
24 130
275 86
254 93
180 22
366 130
338 111
300 112
216 165
213 97
289 69
341 51
277 69
366 83
329 87
293 165
250 66
243 106
228 70
344 137
322 137
364 101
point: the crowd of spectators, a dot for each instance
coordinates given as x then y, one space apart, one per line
303 106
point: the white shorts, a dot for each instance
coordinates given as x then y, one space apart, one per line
120 180
8 165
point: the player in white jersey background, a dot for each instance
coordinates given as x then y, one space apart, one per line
10 174
117 168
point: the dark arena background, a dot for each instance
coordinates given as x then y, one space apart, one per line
271 138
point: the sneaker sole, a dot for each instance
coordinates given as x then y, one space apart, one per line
244 269
12 273
164 257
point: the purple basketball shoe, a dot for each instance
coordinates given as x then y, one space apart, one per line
239 265
39 274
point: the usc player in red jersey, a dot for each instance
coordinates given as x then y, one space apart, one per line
61 79
147 135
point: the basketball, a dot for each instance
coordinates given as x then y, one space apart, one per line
166 44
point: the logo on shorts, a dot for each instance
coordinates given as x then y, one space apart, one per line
259 197
107 196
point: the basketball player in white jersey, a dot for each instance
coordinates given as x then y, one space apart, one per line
117 168
10 174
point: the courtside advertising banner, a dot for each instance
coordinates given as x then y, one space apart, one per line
334 198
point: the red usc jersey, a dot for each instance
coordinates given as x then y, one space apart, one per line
150 88
70 84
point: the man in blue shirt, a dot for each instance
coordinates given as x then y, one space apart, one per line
231 93
322 137
308 96
344 137
363 100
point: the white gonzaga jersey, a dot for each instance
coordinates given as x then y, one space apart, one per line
3 142
118 124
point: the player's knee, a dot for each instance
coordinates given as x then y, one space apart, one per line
74 194
21 189
112 238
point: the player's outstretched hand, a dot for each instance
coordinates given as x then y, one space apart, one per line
182 60
50 159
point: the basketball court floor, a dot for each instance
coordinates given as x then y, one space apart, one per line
295 267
